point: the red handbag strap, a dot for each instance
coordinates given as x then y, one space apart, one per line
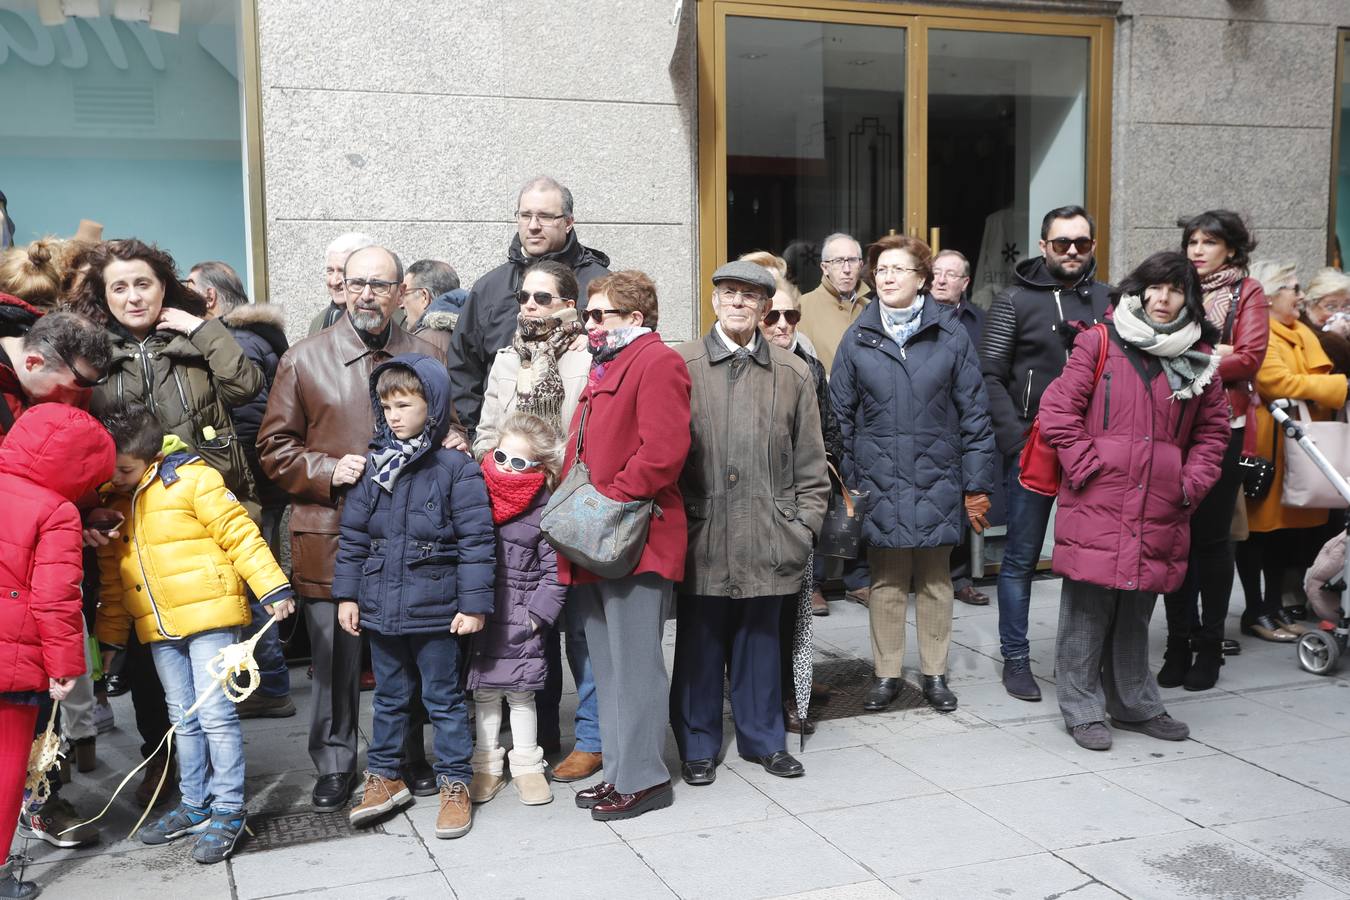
1100 328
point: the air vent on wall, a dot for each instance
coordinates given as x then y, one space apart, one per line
111 107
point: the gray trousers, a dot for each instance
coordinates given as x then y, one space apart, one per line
336 689
624 619
1101 655
77 710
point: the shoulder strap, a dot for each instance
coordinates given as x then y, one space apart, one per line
1101 355
1226 336
581 426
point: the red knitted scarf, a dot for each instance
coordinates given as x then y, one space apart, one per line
510 492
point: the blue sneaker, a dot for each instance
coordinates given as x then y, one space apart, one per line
177 822
217 842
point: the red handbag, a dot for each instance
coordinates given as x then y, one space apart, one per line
1038 466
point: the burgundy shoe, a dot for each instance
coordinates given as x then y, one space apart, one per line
588 798
627 806
367 680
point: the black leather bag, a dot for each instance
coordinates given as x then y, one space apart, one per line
841 533
1257 475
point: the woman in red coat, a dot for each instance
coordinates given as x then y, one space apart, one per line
1140 450
636 414
53 455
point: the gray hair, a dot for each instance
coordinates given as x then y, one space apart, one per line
221 276
398 263
1326 282
548 184
349 243
839 236
434 275
958 254
1272 274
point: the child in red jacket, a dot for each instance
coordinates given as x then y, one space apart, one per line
54 455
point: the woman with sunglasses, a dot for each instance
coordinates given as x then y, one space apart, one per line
1219 246
542 374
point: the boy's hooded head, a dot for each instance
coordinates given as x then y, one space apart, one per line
138 437
411 392
402 402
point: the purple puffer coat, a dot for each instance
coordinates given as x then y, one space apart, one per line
507 654
1136 465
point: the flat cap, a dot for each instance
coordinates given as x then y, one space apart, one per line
748 272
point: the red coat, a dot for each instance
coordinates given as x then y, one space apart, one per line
53 455
637 438
1251 333
1136 465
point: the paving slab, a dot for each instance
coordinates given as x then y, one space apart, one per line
428 886
163 872
1320 765
327 864
1024 878
1128 748
836 778
979 759
1315 843
730 800
1326 704
864 890
610 872
1239 723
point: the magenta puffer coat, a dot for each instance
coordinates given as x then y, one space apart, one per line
508 654
1136 464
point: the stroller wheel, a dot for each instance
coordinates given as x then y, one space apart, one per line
1318 653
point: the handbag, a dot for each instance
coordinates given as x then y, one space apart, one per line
602 536
1304 484
1038 466
841 532
1258 473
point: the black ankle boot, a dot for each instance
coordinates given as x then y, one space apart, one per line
1176 663
1204 674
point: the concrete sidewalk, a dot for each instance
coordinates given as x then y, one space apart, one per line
994 800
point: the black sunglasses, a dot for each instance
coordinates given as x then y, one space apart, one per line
80 380
515 462
598 315
541 298
793 316
1061 245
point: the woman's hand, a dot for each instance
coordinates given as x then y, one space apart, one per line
349 617
1222 350
348 470
60 688
174 319
977 505
281 609
466 623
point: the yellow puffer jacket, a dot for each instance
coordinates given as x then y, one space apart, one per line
186 550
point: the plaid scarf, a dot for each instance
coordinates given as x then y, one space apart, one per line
390 459
1188 370
1221 288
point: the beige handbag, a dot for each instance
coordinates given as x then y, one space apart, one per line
1304 484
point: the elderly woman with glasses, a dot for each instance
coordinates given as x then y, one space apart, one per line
912 407
1326 310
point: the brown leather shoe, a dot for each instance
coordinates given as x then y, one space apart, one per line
456 814
819 605
578 765
382 795
588 798
628 806
860 596
794 723
150 781
969 595
820 693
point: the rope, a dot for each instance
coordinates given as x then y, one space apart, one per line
41 758
225 669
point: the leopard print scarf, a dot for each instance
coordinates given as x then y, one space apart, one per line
540 343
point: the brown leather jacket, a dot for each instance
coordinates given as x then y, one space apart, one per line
319 411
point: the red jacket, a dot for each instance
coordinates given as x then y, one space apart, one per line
53 455
1136 465
1251 332
637 438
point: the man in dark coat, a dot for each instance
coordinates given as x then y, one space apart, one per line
426 281
543 231
1027 336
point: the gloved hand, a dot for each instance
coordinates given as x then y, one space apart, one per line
976 507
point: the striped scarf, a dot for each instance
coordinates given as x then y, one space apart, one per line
1221 288
390 459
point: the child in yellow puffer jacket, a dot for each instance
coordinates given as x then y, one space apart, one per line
178 573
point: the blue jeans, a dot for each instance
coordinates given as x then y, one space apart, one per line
1028 517
397 661
587 722
276 678
209 743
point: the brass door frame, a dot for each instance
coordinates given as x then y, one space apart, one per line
255 196
916 22
1342 39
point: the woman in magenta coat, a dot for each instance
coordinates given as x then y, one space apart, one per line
1140 449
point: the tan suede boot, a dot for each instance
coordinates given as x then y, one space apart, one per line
382 795
485 786
456 815
533 788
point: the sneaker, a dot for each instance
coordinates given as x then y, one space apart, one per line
178 822
1092 736
1018 680
220 837
456 815
382 795
533 788
12 887
484 786
57 823
103 716
260 706
1162 726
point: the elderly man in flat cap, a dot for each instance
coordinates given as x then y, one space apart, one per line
755 489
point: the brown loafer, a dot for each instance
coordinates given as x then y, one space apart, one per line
589 797
819 606
796 724
628 806
861 596
1267 629
578 765
969 595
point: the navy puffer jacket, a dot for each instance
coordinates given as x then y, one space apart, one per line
915 423
414 559
508 654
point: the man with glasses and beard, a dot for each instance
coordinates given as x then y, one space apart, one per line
1028 333
544 231
312 441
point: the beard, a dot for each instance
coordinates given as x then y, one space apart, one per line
1060 273
368 320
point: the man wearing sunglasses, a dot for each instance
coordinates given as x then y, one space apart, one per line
59 359
544 230
1028 333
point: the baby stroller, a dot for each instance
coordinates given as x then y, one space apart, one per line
1320 651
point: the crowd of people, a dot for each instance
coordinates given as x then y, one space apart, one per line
480 482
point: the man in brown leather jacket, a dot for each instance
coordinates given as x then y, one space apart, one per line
312 442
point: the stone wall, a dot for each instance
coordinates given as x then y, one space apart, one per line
418 120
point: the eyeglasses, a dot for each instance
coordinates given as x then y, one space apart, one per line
1331 305
541 298
843 262
525 218
948 275
896 270
739 298
515 462
793 316
1081 244
80 380
596 316
378 287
